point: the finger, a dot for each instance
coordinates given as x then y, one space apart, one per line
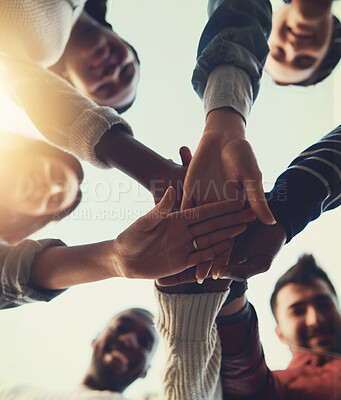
159 212
187 200
186 155
203 270
220 262
212 210
257 200
221 222
253 266
210 239
187 276
197 257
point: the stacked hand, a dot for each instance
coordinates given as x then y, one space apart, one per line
254 254
164 243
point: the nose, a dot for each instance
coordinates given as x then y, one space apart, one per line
129 339
313 317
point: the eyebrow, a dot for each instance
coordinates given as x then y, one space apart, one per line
314 299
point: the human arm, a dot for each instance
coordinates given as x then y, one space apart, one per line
244 372
154 246
75 123
310 186
15 271
186 322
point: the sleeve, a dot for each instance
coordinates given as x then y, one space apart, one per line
236 33
244 372
310 186
60 112
186 322
228 86
15 270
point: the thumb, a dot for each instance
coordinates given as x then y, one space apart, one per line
164 206
256 198
158 213
186 155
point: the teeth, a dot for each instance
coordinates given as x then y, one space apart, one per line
124 359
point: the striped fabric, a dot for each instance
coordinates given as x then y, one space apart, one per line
310 186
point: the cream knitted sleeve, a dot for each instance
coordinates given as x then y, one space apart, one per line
61 113
186 322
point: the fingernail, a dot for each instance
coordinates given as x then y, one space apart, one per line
215 277
200 281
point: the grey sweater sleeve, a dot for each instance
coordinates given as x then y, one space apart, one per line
15 270
60 112
186 322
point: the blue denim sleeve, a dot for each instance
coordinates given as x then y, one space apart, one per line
310 186
15 269
236 33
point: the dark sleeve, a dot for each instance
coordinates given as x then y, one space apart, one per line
244 372
236 33
310 186
97 9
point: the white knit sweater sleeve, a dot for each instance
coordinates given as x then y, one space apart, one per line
186 322
61 113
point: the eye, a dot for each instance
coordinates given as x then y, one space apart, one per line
144 342
277 53
127 72
296 312
304 62
102 88
121 329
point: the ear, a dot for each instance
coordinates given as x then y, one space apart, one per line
93 342
280 334
144 372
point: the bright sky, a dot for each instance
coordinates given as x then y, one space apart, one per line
48 345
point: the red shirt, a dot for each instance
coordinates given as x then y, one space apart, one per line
309 376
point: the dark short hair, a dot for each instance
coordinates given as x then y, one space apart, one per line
303 272
331 59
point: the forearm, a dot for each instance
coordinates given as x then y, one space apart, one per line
62 267
310 185
224 125
119 149
237 34
243 369
186 323
231 87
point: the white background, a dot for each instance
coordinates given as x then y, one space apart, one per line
48 345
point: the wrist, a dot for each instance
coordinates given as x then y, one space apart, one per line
224 125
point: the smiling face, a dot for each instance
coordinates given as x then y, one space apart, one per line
123 350
297 45
309 316
38 185
100 64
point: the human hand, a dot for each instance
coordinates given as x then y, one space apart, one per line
172 175
254 253
224 167
161 243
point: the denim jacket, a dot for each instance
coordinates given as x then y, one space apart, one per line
236 33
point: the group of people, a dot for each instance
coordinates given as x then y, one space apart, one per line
73 75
